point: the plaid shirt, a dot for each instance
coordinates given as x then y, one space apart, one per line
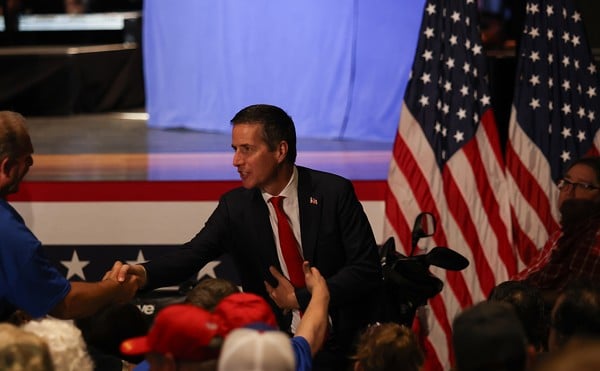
559 264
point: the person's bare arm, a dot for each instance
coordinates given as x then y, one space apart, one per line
86 298
314 322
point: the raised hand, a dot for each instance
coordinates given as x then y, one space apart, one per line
284 294
315 282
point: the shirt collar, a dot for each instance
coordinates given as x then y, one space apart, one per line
290 190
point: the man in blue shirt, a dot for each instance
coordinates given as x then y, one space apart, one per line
28 281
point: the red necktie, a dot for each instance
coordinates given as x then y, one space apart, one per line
289 247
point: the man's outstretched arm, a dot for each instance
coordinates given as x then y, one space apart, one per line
86 298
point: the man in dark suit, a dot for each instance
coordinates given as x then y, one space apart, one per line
330 228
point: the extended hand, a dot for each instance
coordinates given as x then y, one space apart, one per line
125 288
284 294
127 273
315 283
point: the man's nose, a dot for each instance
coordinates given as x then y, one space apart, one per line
236 159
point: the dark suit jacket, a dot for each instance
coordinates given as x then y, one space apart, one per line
336 238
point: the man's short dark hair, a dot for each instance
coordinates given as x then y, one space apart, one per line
577 313
277 126
529 305
489 337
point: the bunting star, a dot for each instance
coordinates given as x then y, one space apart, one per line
209 270
75 266
138 260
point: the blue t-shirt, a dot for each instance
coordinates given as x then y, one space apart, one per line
302 353
28 280
142 366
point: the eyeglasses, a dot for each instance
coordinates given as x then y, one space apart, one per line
565 185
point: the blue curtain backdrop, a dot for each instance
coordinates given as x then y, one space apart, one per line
338 67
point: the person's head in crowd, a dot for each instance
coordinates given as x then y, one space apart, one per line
18 317
67 347
104 331
183 337
15 152
264 141
583 356
209 292
21 350
388 346
575 316
529 305
247 349
489 337
579 191
241 309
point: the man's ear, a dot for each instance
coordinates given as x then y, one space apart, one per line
282 151
5 166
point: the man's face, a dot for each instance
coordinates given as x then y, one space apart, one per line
574 185
255 162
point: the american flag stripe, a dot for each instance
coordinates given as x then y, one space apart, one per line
410 184
419 188
553 120
526 174
500 217
460 207
447 160
532 208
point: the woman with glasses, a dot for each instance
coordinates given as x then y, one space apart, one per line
572 254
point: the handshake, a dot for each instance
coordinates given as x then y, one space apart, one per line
125 280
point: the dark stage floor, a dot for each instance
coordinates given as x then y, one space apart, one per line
119 146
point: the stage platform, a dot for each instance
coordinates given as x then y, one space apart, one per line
105 187
119 146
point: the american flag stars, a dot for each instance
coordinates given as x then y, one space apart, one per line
563 62
450 98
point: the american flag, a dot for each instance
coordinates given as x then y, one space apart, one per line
554 118
447 160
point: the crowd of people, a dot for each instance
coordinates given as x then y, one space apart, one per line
310 274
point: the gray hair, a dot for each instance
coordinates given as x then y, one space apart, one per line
12 134
23 351
65 341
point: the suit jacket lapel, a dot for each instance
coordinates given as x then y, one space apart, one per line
263 241
309 203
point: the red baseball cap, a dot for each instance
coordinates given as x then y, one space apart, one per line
241 309
183 330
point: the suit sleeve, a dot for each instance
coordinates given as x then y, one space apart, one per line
209 244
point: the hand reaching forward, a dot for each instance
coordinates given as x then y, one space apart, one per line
135 270
124 290
284 294
315 283
125 273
